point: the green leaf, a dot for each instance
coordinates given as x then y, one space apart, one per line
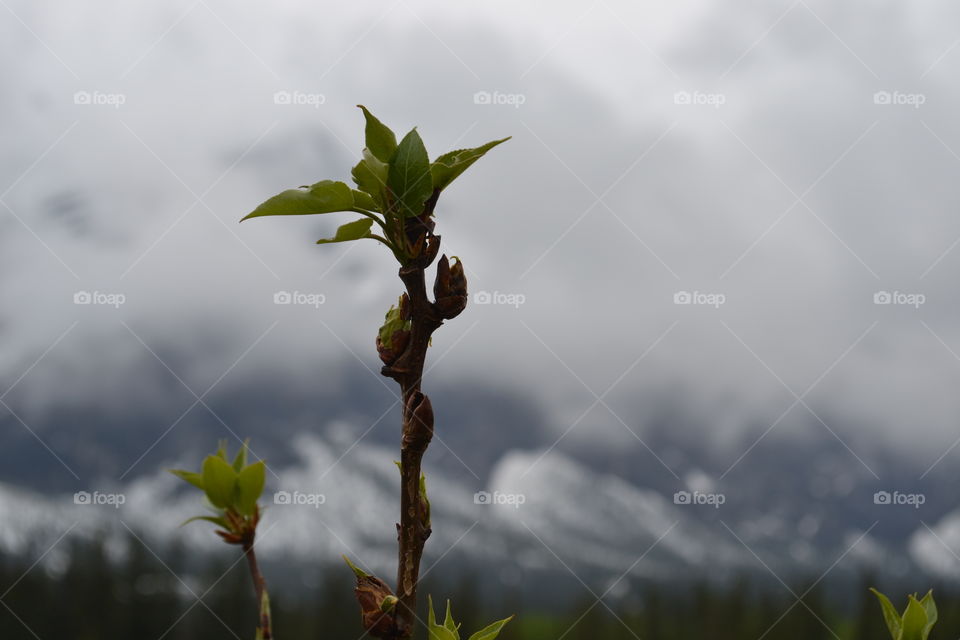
325 196
449 624
450 165
220 522
351 231
431 616
914 620
393 322
363 200
221 451
890 615
435 631
250 483
379 138
240 461
370 175
219 480
423 496
192 477
360 573
491 631
408 175
930 607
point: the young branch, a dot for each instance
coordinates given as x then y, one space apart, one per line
417 431
259 584
400 181
264 625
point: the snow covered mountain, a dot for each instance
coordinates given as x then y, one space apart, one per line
539 513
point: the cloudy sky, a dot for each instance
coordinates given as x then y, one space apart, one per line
784 168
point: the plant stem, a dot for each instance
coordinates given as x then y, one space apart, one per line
259 586
417 431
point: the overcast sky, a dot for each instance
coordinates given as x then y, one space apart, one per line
784 164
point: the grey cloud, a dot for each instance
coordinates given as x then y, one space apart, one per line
599 288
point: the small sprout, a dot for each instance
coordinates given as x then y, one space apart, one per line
232 491
916 621
449 630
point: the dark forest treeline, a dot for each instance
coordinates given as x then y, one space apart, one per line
89 597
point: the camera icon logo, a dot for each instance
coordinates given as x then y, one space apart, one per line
282 497
81 97
882 297
282 97
682 97
681 497
482 97
882 97
81 497
82 297
482 297
881 497
682 297
482 497
282 297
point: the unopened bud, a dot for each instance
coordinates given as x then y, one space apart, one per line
458 279
394 335
418 426
441 284
377 603
450 288
389 353
389 603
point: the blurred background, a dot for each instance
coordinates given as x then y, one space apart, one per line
705 386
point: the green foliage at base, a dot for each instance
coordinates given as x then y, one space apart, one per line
450 630
915 622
